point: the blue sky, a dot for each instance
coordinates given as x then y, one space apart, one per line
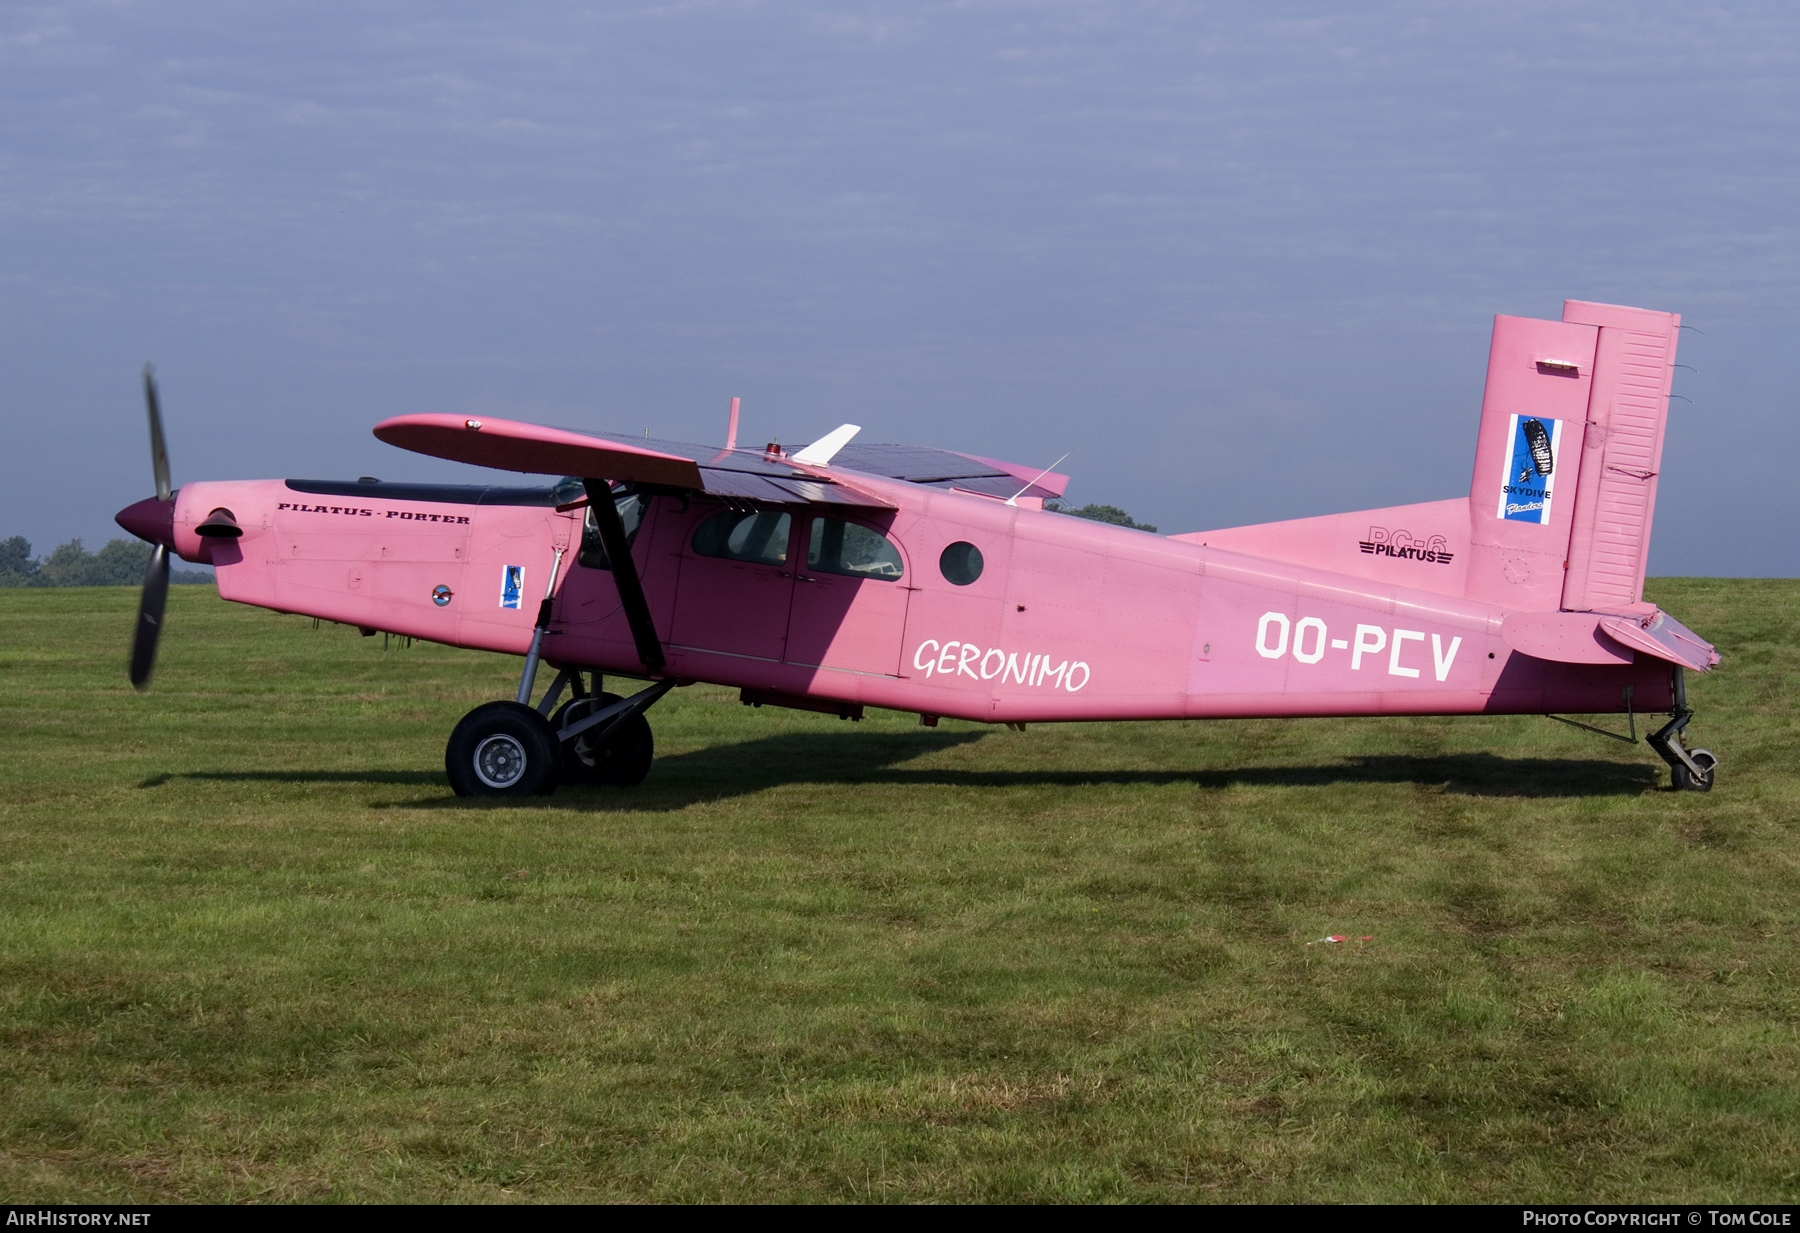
1241 259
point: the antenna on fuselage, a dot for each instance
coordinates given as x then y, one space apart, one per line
731 427
1014 499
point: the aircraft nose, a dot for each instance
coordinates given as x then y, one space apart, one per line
150 520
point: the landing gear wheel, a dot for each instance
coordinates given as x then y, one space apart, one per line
620 763
1686 781
503 749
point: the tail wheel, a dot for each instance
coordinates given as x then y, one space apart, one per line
503 749
1686 781
621 762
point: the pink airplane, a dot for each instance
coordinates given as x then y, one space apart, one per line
844 576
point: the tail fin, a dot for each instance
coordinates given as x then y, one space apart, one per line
1565 464
1615 497
1559 510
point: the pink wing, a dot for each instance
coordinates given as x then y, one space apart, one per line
513 446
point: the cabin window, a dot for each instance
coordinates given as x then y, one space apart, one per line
631 512
839 547
961 563
758 536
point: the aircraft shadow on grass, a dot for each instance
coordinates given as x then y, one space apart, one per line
863 758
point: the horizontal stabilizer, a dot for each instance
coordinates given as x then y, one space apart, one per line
1563 637
1664 637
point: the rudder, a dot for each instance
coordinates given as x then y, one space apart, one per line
1615 497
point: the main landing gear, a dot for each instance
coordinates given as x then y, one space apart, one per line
618 753
1690 770
511 749
503 749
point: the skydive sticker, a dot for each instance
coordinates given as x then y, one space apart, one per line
512 586
1525 489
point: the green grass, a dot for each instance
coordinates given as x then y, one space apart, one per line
252 948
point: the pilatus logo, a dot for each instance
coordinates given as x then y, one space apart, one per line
1385 543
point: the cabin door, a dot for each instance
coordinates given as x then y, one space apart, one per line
737 585
850 593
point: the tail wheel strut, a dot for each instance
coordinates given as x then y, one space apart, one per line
1690 770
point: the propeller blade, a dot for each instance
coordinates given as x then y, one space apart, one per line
150 609
159 454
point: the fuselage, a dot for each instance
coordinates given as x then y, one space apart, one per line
948 604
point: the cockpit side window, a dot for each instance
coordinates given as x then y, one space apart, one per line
757 536
838 547
631 512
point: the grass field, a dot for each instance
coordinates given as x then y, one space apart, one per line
251 948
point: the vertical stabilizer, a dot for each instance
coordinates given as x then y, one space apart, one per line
1615 497
1523 497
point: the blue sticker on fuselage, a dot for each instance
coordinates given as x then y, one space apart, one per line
1525 489
512 586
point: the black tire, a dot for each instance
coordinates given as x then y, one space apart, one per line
621 763
1686 781
503 749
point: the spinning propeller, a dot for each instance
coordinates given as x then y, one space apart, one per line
152 519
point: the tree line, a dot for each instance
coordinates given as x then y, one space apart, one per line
121 563
1100 513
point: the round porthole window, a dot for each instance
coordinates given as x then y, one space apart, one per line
961 563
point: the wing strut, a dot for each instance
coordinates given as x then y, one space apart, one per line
624 572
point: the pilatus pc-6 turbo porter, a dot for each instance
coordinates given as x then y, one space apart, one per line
849 575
